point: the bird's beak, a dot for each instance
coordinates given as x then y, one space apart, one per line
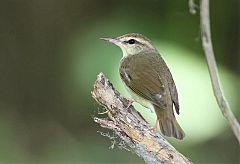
111 40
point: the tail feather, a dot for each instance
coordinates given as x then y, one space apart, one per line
168 124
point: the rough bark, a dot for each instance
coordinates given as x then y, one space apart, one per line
131 127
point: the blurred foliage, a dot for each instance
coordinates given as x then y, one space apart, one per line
51 55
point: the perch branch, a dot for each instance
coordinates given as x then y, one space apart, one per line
131 127
212 67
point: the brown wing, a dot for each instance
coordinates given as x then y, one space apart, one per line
140 75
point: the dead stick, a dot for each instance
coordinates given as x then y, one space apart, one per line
132 128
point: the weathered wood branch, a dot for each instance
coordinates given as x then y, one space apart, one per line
131 127
212 67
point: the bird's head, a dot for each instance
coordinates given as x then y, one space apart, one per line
132 44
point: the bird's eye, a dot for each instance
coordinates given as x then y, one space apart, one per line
131 41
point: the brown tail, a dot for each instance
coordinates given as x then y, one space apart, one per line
168 123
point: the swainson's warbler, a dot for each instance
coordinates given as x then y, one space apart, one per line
149 81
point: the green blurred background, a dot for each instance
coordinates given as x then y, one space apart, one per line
50 55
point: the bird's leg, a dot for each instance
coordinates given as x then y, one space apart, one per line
154 128
130 101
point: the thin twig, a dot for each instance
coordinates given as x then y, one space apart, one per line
192 7
208 49
133 131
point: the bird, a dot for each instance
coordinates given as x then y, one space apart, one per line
149 81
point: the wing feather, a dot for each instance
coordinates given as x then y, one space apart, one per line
144 80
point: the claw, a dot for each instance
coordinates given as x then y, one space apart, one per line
130 102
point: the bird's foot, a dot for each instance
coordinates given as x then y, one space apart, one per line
130 102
